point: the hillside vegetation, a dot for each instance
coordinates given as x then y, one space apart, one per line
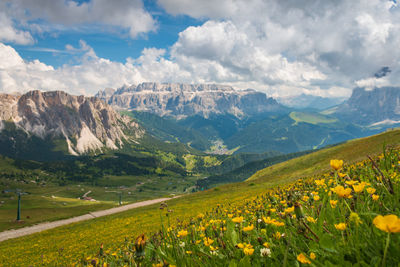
81 242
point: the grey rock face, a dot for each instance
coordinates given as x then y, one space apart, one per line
377 106
181 100
87 123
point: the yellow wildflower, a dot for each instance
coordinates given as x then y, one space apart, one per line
237 219
182 233
289 210
303 259
266 245
189 252
208 241
340 226
248 251
316 198
320 182
313 256
351 182
342 192
333 203
389 223
336 164
371 190
375 197
311 220
358 188
248 228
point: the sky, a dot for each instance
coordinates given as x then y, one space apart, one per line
283 48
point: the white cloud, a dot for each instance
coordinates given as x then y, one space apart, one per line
288 47
125 14
8 33
284 48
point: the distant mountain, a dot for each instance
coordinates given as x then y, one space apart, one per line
37 120
183 100
304 101
379 107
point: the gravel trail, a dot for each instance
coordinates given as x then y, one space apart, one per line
49 225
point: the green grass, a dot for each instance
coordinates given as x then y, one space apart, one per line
315 163
83 239
53 202
313 118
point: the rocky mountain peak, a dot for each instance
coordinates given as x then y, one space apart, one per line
376 106
86 123
182 100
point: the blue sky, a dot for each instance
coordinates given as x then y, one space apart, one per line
284 48
116 45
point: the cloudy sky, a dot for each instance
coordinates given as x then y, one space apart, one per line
284 48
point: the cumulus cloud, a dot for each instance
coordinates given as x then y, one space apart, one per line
125 14
289 47
9 33
284 48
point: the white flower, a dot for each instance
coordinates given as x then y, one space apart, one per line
182 244
265 252
259 220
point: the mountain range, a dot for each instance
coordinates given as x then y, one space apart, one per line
76 124
184 100
211 118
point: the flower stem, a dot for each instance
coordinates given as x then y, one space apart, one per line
386 249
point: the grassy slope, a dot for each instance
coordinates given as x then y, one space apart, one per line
83 239
317 162
313 118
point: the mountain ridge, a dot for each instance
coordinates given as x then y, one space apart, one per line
183 100
86 124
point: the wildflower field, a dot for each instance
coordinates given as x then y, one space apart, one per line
329 217
345 217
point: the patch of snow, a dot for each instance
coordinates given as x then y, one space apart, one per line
87 141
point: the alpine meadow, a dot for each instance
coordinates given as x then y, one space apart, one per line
199 133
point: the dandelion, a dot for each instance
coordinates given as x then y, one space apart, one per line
303 259
340 226
336 164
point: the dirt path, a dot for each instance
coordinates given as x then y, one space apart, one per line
49 225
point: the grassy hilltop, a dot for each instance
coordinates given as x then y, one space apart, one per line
80 242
